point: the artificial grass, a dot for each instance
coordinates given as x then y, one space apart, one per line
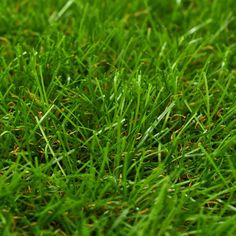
117 117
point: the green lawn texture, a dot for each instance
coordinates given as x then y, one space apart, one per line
117 117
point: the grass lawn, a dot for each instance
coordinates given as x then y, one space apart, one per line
117 117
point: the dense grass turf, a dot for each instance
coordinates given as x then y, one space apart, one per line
117 117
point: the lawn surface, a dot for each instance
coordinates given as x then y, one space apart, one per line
117 117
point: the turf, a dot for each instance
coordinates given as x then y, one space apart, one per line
117 117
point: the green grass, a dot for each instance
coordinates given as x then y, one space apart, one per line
117 117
